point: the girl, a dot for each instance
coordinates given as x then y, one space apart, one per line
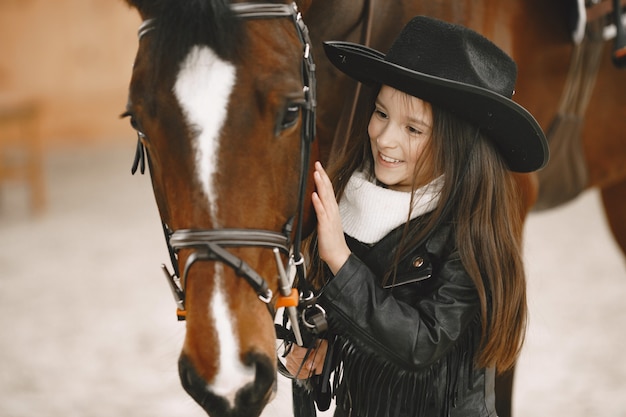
419 262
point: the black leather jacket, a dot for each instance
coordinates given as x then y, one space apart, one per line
407 348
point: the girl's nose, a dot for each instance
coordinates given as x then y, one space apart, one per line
386 137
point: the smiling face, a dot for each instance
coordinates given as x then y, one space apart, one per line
400 130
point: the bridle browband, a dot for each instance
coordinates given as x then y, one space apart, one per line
212 244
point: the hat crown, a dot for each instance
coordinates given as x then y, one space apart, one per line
454 53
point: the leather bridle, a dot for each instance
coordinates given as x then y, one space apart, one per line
212 244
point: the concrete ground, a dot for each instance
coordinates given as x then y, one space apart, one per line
88 326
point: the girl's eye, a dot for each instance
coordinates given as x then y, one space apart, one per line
380 114
414 131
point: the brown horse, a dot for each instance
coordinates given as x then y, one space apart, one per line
217 98
222 97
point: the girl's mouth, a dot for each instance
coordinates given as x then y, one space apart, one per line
388 159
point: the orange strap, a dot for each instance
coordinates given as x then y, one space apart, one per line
290 300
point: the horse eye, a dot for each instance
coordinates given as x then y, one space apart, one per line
133 123
133 120
290 117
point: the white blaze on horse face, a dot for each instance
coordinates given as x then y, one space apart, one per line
232 375
203 87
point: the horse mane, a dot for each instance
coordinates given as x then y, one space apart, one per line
182 24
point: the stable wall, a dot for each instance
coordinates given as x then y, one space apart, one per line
74 57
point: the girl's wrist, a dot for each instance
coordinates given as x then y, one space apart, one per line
338 261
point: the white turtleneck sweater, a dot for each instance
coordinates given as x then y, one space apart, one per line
369 212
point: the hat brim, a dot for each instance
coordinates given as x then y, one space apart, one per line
514 131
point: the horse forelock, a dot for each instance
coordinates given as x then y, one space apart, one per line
183 24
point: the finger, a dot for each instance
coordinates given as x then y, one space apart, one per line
324 197
324 188
318 206
323 177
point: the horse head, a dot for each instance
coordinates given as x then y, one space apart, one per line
222 98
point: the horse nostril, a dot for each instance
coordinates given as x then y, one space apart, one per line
190 380
197 388
249 400
265 376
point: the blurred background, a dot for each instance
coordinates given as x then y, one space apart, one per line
71 60
87 322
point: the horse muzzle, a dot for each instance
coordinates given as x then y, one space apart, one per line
245 401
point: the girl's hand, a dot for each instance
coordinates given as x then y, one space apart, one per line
314 364
331 242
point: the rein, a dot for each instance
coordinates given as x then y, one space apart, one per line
211 244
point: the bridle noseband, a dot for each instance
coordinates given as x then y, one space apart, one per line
212 244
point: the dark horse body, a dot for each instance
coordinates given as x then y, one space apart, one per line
260 151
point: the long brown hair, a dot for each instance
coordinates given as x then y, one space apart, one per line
480 198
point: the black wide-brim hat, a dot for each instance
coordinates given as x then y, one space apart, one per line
459 70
